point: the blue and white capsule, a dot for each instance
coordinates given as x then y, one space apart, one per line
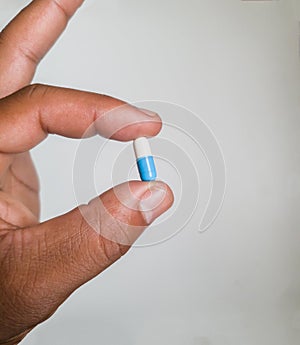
144 159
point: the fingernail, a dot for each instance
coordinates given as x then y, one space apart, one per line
148 112
149 206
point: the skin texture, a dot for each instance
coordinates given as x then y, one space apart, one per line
41 264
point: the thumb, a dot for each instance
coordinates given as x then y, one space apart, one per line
53 259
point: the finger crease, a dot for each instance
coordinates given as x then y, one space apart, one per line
61 9
8 224
29 55
33 190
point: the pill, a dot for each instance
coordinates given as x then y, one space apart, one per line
144 159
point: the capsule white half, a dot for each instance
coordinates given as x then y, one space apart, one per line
144 159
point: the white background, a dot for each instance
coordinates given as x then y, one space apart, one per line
236 64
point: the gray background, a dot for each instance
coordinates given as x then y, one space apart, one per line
236 64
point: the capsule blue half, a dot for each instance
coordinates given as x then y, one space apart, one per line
147 168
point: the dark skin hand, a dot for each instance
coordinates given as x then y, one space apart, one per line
41 264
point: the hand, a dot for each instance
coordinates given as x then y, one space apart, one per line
42 264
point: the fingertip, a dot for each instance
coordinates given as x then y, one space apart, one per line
131 201
153 121
155 201
141 189
69 6
126 122
145 200
144 128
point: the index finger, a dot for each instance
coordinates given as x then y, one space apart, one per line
29 115
28 37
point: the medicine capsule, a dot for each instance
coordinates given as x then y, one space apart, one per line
144 159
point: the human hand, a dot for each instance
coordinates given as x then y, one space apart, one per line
42 264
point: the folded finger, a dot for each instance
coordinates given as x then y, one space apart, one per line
28 37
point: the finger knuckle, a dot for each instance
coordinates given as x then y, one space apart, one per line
36 90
